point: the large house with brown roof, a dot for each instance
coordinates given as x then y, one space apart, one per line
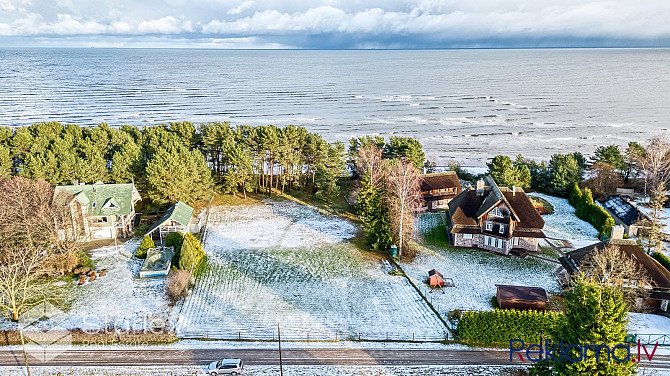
439 188
656 281
497 219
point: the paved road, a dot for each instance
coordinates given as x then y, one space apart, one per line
385 357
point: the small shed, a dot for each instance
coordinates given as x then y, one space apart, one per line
175 219
435 278
521 297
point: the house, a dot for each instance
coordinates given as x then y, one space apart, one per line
439 188
176 219
624 213
501 220
521 297
435 279
101 211
657 283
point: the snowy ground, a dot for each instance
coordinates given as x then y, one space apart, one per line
270 370
283 262
645 323
117 300
563 224
475 273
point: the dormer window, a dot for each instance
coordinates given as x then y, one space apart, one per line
489 226
93 204
496 212
111 205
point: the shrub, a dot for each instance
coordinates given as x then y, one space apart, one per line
191 254
589 211
662 259
175 239
500 325
143 227
177 284
146 244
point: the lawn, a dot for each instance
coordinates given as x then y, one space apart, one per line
285 263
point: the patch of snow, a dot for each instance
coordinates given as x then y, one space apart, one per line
285 263
563 224
646 323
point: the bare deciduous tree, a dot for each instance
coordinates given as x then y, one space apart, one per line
404 201
611 266
656 162
370 160
604 181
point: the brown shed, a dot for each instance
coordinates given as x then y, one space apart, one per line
521 297
435 278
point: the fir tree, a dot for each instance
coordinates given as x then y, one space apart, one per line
191 253
146 244
374 215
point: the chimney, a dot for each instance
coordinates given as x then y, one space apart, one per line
617 232
481 187
513 190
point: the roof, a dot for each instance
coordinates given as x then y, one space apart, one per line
179 212
623 210
441 180
659 274
103 199
466 208
533 294
435 272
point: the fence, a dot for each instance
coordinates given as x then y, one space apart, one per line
307 336
652 339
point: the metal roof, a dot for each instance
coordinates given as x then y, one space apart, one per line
103 199
179 212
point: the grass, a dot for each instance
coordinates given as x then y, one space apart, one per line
433 229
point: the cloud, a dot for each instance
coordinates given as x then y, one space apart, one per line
347 23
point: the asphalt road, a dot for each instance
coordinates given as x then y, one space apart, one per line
167 357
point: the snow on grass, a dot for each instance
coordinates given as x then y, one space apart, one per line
646 323
312 370
563 224
117 300
283 262
474 272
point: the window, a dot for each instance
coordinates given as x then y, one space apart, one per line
93 204
489 226
498 243
502 229
515 241
99 219
496 212
467 236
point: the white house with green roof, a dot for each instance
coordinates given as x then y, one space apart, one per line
176 219
106 210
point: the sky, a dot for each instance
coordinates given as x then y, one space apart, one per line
335 24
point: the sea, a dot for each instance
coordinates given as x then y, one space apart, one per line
462 105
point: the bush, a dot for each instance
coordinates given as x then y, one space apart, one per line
177 284
84 260
662 259
500 325
146 244
191 254
175 239
143 227
589 211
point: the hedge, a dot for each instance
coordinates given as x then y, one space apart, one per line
500 325
589 211
662 259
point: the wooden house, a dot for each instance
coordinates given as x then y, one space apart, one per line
521 297
439 188
625 214
435 279
100 210
501 220
176 219
656 281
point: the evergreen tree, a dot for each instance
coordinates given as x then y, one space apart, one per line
174 239
565 171
374 215
610 155
146 244
651 234
405 148
595 314
326 183
191 253
6 162
507 174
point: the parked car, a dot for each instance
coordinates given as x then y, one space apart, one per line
228 366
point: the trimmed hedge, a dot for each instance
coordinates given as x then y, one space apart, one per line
589 211
662 259
500 325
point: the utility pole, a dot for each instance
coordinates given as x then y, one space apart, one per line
281 369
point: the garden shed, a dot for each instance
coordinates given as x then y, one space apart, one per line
521 297
435 278
175 219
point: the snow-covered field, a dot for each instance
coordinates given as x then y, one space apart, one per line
645 323
117 300
475 273
270 370
563 224
285 263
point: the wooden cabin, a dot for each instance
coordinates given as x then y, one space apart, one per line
439 188
521 297
176 219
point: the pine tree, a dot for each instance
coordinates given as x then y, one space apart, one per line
374 215
595 314
651 234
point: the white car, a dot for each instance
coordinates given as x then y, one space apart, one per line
229 366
